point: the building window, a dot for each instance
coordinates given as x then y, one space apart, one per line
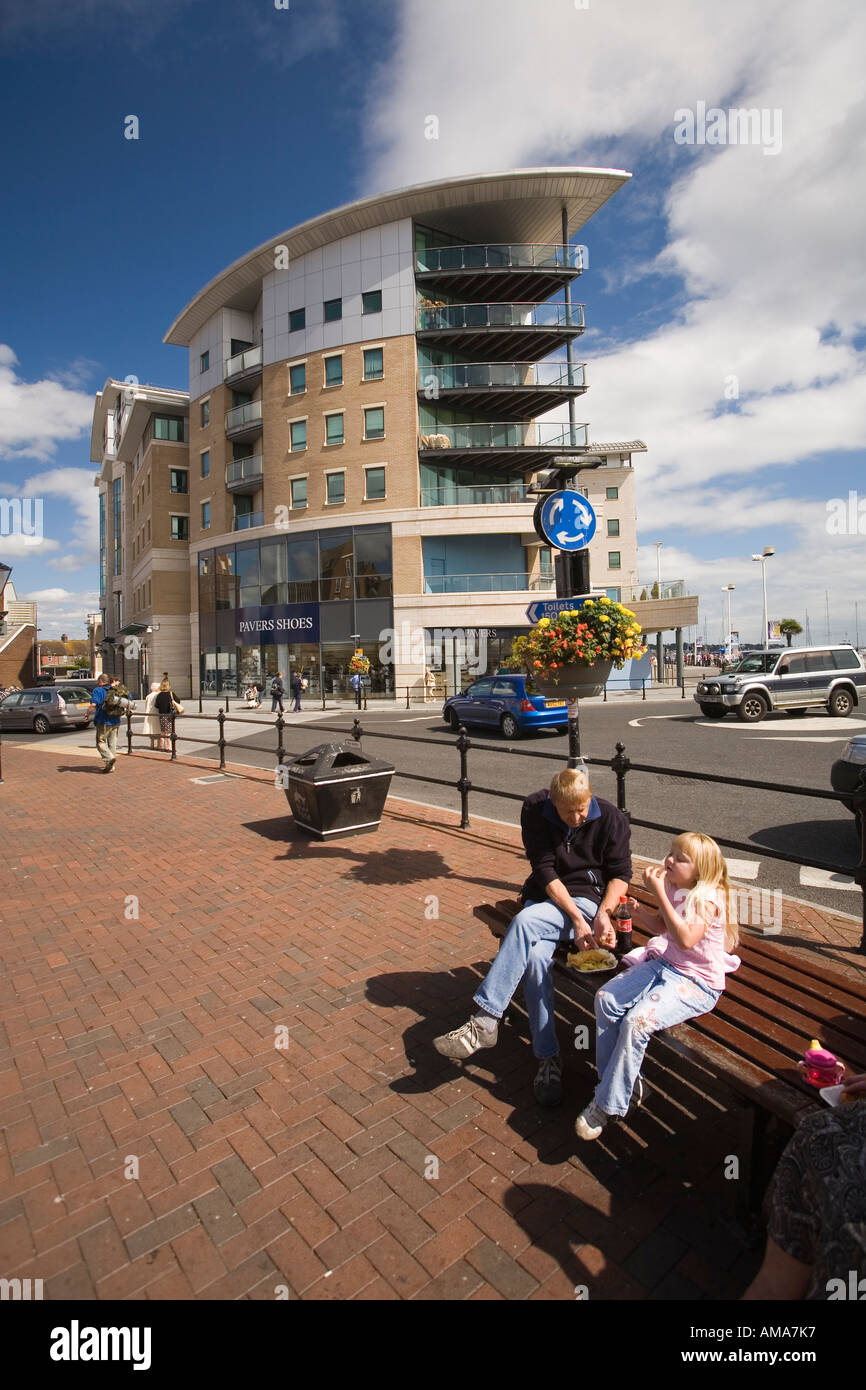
297 320
611 493
374 364
148 593
179 480
612 526
204 362
374 422
168 427
180 528
333 310
545 560
374 479
205 464
205 413
614 561
118 525
299 493
334 429
615 595
336 488
103 568
205 516
298 429
334 371
298 379
371 303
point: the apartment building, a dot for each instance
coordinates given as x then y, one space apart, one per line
139 439
18 631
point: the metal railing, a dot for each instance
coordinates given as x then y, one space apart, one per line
527 315
506 434
548 255
485 583
247 520
620 764
244 470
457 495
460 376
634 593
249 414
243 361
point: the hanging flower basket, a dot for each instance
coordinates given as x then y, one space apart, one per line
359 666
574 653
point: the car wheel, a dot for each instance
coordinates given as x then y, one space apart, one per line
752 709
841 703
454 720
41 725
713 711
562 729
509 726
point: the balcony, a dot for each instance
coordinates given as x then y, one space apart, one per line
487 583
244 366
245 475
244 421
501 330
455 495
515 270
512 448
522 389
248 521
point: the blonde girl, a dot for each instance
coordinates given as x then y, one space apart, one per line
679 974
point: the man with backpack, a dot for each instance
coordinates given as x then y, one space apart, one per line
277 692
108 702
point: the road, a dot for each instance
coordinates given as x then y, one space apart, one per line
793 749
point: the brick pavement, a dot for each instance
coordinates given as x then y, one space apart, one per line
216 1077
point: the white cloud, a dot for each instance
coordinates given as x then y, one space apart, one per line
35 416
762 254
77 502
61 610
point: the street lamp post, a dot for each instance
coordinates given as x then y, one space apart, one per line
729 644
762 559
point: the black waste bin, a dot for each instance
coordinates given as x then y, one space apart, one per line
335 789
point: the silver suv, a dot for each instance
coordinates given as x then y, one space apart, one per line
65 706
830 678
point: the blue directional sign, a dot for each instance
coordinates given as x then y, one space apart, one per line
565 520
552 607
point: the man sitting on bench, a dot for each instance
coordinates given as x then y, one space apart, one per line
578 847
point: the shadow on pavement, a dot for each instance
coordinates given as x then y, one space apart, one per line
832 840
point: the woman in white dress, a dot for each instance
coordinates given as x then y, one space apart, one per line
151 718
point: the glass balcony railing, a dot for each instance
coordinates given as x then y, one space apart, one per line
248 520
670 588
530 315
244 361
456 495
459 376
485 583
244 470
541 434
244 415
501 256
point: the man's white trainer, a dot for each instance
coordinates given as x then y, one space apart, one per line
466 1040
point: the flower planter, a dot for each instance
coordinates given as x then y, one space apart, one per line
574 681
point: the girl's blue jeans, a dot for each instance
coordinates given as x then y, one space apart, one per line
526 954
628 1011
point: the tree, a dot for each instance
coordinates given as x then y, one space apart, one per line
789 627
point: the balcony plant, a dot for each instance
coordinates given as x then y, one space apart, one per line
573 654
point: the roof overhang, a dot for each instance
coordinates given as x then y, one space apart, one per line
521 205
145 399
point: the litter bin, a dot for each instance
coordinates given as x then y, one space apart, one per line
335 789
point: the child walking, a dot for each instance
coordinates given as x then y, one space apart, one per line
679 974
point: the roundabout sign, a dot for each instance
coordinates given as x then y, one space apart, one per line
565 520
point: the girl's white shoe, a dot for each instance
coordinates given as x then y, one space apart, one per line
591 1122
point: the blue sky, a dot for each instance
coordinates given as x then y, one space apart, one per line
715 263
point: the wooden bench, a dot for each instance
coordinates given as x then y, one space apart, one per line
749 1045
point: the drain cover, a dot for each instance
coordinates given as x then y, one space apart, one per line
215 777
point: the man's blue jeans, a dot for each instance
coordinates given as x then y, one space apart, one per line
628 1010
526 954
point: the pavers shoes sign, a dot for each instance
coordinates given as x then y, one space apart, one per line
277 622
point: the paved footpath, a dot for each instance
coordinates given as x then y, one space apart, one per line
217 1079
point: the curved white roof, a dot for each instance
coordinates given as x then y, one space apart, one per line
520 205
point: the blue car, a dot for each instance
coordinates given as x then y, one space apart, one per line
503 702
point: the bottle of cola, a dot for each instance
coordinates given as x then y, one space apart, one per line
622 921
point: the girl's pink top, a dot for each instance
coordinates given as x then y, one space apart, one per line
707 962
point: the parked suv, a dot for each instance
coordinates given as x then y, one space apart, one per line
64 706
798 678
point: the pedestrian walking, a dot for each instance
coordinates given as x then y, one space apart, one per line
429 684
166 706
297 687
355 682
278 690
151 718
107 702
